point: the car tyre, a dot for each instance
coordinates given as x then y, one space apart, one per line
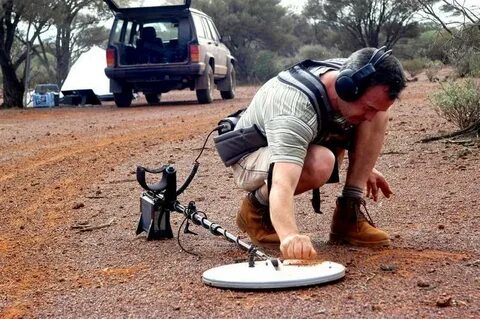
230 94
152 98
205 96
123 99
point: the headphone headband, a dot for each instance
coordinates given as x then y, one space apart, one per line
374 61
350 84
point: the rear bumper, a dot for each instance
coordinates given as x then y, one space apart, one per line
154 73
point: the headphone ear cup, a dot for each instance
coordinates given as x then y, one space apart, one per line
346 87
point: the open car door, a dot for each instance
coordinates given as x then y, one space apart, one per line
122 6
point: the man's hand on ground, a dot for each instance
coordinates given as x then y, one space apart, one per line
297 246
377 181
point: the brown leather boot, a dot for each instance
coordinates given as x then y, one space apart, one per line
254 219
350 225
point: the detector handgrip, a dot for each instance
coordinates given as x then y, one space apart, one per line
158 187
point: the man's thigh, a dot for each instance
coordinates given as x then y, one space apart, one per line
251 172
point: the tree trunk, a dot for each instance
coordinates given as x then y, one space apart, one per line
63 52
13 88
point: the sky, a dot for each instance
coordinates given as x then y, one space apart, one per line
296 5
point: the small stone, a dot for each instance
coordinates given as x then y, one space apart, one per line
475 263
376 308
441 226
177 308
78 205
397 236
444 301
388 268
423 283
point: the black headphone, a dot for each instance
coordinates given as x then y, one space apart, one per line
350 84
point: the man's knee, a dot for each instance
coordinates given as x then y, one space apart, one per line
319 165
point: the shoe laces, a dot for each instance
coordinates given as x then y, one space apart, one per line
363 215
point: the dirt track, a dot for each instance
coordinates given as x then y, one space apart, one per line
74 166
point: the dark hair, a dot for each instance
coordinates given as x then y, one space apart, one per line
389 72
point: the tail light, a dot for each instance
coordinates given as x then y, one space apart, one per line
111 53
194 53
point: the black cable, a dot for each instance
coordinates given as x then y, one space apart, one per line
196 164
205 143
180 244
178 234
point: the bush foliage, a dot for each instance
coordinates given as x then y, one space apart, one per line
415 66
459 102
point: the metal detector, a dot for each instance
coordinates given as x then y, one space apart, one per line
260 272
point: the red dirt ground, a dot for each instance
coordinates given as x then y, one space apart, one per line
70 166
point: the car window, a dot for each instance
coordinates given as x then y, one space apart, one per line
165 30
199 26
213 31
207 29
128 33
116 31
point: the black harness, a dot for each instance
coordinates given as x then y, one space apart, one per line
332 132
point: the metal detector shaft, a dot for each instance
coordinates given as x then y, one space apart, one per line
160 199
191 213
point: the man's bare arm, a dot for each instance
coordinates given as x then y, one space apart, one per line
284 182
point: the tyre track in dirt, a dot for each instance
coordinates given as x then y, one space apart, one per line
38 192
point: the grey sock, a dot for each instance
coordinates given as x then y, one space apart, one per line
352 191
259 196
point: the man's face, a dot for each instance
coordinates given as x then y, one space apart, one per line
374 100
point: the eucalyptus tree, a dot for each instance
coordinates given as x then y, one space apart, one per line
253 26
460 21
77 29
21 23
363 23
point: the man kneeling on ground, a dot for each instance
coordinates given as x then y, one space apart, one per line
307 135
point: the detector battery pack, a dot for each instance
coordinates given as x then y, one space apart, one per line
154 218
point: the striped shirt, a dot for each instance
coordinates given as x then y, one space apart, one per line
286 117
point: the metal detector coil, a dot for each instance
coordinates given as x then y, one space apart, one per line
265 275
260 272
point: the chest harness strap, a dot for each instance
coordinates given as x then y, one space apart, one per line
302 79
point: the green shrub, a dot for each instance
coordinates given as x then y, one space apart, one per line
317 52
459 102
265 67
311 51
468 64
432 71
415 66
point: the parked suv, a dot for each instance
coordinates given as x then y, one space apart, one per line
166 47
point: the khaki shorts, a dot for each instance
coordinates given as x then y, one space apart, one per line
251 171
